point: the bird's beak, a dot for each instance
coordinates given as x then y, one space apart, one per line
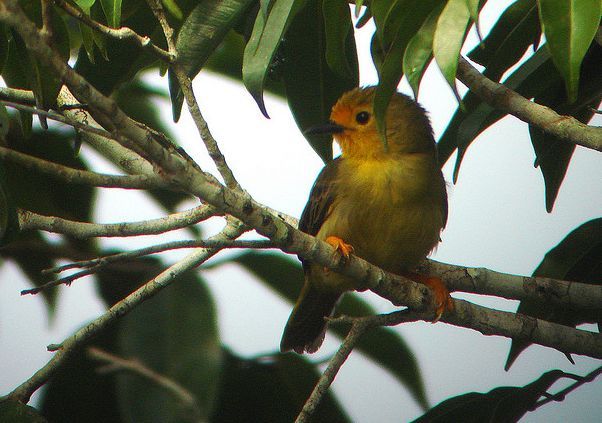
327 128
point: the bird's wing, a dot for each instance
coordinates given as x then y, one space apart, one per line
321 198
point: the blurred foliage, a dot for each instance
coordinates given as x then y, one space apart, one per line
304 51
500 405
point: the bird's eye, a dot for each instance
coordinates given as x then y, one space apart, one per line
362 118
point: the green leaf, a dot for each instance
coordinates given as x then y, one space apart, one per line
271 389
112 10
419 51
12 411
449 36
263 44
535 75
401 21
85 4
578 257
569 27
180 325
311 86
37 192
337 24
382 345
503 404
513 33
202 31
173 8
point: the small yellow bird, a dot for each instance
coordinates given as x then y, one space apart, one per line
387 205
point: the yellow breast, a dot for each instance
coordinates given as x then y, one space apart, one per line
390 210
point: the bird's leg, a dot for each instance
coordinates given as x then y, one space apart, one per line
340 245
443 301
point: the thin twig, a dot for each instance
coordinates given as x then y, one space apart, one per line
359 326
83 230
123 33
58 118
193 106
561 395
94 265
79 176
115 363
501 97
64 350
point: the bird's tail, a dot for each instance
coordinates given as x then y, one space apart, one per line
306 326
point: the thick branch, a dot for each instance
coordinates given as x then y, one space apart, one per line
497 95
82 230
478 280
68 346
123 33
78 176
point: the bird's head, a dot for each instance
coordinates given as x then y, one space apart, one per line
353 126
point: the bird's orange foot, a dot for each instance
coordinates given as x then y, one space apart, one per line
340 245
443 301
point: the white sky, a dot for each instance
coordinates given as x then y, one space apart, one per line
497 220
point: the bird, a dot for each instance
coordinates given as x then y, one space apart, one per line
384 202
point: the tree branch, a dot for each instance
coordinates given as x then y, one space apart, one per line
63 351
123 33
186 86
82 230
499 96
94 265
478 280
79 176
115 363
359 326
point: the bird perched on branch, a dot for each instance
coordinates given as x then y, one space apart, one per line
386 204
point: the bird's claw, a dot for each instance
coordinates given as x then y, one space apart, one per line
341 246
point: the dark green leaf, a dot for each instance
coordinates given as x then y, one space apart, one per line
311 86
449 36
337 25
202 31
12 411
500 405
419 51
32 253
3 47
261 48
513 33
270 389
569 27
534 76
382 345
578 257
79 392
112 10
401 22
34 191
9 225
180 326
